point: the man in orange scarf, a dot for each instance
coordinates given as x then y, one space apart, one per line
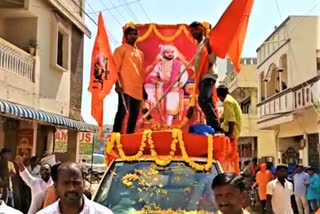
205 77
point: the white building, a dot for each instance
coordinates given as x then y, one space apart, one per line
41 92
253 143
289 86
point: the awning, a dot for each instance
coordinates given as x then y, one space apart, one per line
30 113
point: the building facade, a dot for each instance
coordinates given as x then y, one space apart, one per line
289 89
253 143
41 66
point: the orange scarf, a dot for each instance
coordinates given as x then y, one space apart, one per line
51 196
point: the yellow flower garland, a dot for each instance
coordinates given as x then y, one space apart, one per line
139 153
177 137
153 28
194 165
163 162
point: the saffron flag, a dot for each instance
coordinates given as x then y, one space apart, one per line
227 37
103 73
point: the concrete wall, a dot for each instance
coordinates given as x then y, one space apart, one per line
54 88
305 122
304 43
2 28
76 73
266 143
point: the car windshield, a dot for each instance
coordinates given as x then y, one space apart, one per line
139 187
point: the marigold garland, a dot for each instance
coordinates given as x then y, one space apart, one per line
163 162
177 137
116 138
153 28
194 165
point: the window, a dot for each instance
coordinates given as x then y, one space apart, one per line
62 45
60 49
245 106
262 86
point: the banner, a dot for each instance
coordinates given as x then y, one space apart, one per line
61 141
85 142
167 50
24 142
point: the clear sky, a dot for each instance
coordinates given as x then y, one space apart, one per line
266 14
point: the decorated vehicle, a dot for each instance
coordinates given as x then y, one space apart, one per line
161 172
168 164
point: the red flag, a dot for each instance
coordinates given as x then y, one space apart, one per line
103 73
227 37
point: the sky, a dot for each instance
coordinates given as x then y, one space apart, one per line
266 14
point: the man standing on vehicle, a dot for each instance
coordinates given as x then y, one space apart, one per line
229 192
70 190
232 114
206 76
129 60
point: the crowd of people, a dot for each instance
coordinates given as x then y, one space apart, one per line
281 191
52 189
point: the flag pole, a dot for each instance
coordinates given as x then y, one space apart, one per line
123 99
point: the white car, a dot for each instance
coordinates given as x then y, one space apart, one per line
98 163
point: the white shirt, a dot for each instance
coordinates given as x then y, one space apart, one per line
36 185
35 171
300 180
4 209
90 207
281 196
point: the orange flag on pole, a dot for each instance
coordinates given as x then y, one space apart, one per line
103 73
227 37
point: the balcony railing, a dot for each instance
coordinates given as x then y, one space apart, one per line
13 59
306 94
293 99
276 105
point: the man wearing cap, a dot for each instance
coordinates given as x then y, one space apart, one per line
129 60
206 76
